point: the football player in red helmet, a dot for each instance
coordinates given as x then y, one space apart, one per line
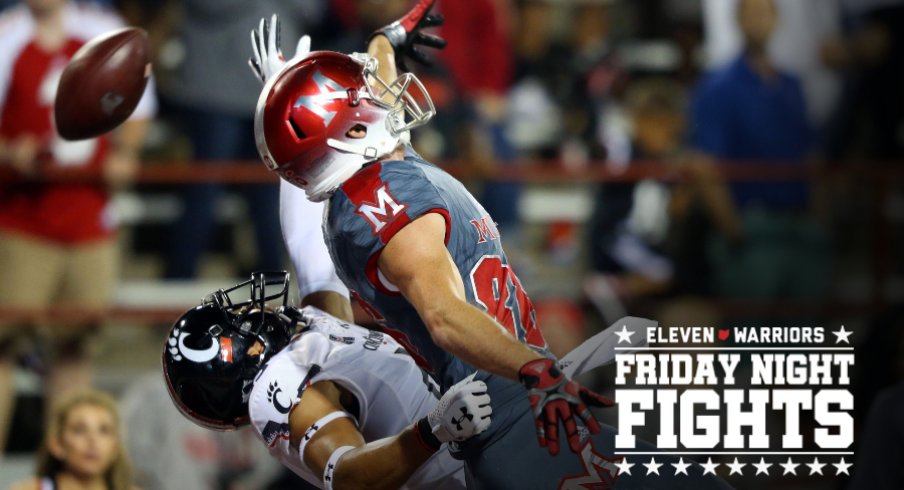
319 396
423 257
318 121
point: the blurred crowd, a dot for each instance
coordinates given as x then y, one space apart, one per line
753 150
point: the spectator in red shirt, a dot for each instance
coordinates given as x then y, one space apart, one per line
57 238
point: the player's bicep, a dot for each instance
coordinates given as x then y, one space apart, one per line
417 262
316 404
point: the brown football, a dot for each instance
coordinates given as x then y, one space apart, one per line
102 84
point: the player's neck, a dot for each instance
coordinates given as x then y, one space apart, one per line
397 154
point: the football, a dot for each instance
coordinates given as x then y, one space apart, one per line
102 84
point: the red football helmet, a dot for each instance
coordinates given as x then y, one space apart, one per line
306 111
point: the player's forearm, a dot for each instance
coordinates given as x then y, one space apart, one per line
472 335
387 463
380 48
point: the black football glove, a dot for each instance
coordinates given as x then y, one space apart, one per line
405 33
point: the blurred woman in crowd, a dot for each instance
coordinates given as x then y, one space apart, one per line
83 447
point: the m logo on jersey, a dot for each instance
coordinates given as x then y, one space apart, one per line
315 102
486 229
381 212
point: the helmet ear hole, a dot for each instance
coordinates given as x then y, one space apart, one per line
357 131
298 132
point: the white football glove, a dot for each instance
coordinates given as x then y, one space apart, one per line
463 411
268 59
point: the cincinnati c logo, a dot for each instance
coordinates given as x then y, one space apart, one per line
273 392
178 349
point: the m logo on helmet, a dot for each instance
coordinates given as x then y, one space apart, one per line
178 349
383 211
315 103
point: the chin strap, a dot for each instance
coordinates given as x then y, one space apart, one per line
365 151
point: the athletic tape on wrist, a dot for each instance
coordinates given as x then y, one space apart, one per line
316 426
331 466
425 435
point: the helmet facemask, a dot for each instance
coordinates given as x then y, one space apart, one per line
250 317
404 98
257 303
406 104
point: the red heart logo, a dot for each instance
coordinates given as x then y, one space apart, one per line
723 334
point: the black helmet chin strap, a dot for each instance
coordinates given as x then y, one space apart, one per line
292 317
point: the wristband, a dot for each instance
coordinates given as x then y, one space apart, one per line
425 436
394 32
331 465
321 422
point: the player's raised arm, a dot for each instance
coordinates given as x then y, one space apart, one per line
299 218
402 37
391 44
380 48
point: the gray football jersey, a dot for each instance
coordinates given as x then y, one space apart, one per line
381 199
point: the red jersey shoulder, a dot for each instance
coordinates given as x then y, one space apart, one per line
382 210
378 199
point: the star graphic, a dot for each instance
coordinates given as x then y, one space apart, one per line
709 466
789 467
681 467
652 466
762 467
624 335
624 467
736 467
842 467
815 467
842 335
